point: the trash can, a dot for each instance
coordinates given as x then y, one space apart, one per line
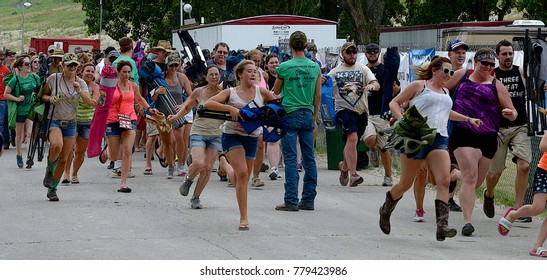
335 148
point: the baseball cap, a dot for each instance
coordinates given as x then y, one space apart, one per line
113 53
456 44
51 48
347 45
57 52
70 58
173 58
108 50
373 48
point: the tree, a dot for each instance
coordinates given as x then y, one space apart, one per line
533 9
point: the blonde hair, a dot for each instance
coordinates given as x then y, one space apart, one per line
241 66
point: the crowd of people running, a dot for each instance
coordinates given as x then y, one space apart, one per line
468 110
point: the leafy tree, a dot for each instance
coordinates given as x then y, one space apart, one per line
533 9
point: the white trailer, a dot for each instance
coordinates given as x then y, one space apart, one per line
265 30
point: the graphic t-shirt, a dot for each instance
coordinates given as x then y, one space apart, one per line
299 77
349 84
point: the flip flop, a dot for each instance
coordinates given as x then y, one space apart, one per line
103 157
75 180
163 161
65 181
540 252
243 227
505 225
147 171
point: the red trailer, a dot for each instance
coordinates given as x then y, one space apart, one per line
67 44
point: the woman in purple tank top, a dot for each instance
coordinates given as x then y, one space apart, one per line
484 97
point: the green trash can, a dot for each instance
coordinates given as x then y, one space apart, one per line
335 148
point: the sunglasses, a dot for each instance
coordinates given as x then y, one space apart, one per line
348 51
1 58
36 61
26 63
174 65
72 65
447 71
485 63
372 52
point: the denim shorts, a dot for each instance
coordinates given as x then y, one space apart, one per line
68 128
440 143
20 118
113 129
234 141
205 141
83 130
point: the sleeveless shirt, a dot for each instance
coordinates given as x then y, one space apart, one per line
436 107
231 127
478 101
512 80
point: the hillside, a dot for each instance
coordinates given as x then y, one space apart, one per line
45 18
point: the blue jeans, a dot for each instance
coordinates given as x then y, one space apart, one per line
4 119
301 126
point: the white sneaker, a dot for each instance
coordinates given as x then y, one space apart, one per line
274 173
388 181
419 216
181 170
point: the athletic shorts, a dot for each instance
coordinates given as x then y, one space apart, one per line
351 121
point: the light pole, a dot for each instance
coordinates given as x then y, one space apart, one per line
184 8
23 6
100 22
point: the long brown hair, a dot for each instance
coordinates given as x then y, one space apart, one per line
425 72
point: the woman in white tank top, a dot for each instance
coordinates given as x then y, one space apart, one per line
239 146
431 99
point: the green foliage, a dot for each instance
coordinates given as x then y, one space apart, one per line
394 12
533 9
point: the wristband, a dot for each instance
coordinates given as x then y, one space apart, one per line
468 119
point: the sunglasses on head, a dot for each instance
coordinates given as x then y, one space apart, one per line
486 63
174 65
447 71
348 51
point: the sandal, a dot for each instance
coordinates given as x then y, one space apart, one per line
103 157
75 180
124 189
539 252
243 227
147 171
163 161
65 181
504 224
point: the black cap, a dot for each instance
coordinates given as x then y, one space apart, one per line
372 48
107 50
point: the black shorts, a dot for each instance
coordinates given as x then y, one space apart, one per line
487 143
351 121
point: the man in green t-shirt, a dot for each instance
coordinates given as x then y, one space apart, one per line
299 84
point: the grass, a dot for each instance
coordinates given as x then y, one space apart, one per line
45 19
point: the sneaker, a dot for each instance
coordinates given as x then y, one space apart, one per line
116 173
388 181
185 187
454 207
355 180
170 172
48 180
274 173
419 216
300 169
264 167
374 158
344 174
468 229
257 183
131 174
110 165
488 205
195 203
52 195
181 170
286 207
19 161
523 220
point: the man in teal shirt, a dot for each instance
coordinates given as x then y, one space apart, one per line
299 84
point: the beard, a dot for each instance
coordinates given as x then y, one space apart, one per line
372 61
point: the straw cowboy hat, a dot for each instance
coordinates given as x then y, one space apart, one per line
163 45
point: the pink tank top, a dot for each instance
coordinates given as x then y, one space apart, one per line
123 104
262 82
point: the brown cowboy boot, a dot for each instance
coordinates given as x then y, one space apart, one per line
385 212
441 211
